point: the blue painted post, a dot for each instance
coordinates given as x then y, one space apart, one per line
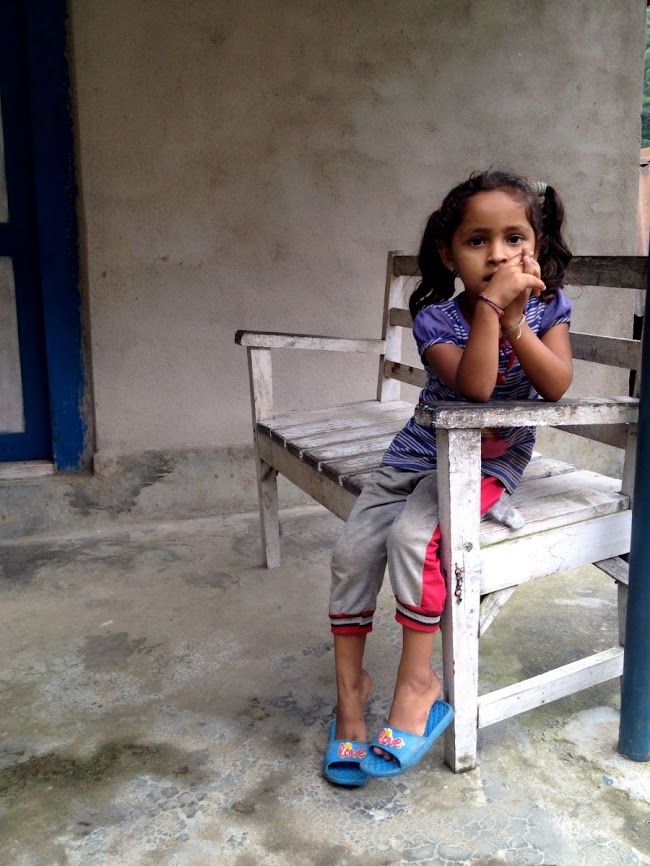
634 732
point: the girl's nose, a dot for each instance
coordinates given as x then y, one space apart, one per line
497 253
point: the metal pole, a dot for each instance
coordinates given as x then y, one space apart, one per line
634 731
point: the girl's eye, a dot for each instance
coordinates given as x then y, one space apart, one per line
475 242
515 239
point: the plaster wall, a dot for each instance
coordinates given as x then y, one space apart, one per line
248 165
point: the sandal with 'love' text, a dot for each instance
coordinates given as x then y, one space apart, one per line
406 749
342 759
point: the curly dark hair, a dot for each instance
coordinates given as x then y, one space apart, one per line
545 213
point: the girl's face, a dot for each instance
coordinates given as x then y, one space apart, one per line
495 228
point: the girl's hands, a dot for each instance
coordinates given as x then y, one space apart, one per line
513 283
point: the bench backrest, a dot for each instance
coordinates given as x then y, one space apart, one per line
617 272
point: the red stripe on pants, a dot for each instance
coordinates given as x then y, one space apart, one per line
434 589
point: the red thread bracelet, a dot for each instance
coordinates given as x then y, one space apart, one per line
497 309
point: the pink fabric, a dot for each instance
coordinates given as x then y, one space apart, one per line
434 588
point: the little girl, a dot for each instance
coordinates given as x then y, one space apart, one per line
505 337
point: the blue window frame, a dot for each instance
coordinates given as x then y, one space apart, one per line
35 62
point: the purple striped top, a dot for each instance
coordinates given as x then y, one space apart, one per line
506 451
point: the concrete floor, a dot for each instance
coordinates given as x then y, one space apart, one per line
165 700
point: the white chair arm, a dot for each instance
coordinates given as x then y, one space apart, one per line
528 413
272 340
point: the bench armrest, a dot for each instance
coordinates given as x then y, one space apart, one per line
527 413
273 340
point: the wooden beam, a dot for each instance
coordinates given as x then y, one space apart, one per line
389 388
555 550
624 272
612 351
608 434
405 373
491 607
272 340
547 687
400 318
317 485
459 473
528 413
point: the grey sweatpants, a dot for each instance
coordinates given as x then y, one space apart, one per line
394 521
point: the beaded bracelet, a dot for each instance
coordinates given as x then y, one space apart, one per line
507 331
497 309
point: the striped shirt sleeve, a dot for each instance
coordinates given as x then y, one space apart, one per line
432 325
555 312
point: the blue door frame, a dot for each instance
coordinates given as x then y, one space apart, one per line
55 256
19 241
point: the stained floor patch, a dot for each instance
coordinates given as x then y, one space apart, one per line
111 762
58 792
102 653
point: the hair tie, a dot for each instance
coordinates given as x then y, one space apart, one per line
539 188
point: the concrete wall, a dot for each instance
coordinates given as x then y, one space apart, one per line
248 165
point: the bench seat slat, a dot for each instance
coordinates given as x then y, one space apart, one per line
544 467
356 481
339 429
539 467
346 434
551 507
336 418
363 408
338 470
563 547
334 453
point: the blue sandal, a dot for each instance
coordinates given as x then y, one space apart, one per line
407 749
342 759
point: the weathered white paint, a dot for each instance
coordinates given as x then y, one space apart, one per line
491 607
459 473
387 388
321 488
614 351
547 687
21 469
602 410
555 550
264 340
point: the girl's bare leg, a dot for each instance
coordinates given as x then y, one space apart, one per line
353 686
417 686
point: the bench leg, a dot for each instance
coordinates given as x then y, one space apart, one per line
267 491
460 628
459 498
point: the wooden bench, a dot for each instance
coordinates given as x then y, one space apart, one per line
573 517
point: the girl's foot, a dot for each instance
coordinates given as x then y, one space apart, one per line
351 706
412 702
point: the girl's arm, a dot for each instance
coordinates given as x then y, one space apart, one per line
546 360
472 371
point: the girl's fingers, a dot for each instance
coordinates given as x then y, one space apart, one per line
531 265
536 286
